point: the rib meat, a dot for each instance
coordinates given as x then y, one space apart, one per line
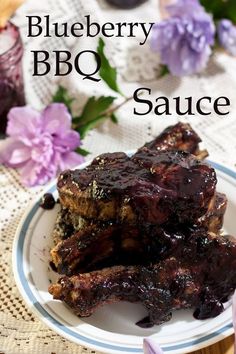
178 137
214 217
97 244
195 277
67 223
151 186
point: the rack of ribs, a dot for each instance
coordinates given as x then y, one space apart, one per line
183 280
146 229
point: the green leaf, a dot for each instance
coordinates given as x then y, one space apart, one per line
163 71
83 130
221 9
107 72
82 152
62 96
94 111
114 119
94 107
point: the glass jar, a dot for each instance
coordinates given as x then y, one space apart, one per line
126 4
11 74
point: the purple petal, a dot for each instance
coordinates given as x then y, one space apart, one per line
23 122
186 8
56 119
42 150
150 346
234 320
68 140
19 156
13 152
70 160
183 40
45 175
227 35
29 173
33 174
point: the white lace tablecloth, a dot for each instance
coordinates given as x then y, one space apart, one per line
20 330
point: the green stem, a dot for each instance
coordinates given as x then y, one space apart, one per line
108 113
112 110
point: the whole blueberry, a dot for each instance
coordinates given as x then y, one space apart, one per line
47 201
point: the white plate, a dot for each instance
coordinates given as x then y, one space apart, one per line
112 328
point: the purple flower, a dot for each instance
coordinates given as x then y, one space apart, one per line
40 144
184 39
150 346
227 35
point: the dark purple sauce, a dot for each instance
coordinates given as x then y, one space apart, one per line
158 185
52 266
47 202
208 309
144 323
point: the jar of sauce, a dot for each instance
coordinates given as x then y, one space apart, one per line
11 75
126 4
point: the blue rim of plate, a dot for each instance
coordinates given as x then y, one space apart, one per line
73 335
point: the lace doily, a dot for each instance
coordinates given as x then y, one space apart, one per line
20 330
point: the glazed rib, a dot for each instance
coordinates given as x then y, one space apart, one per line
67 223
214 218
178 137
151 186
84 193
180 281
98 244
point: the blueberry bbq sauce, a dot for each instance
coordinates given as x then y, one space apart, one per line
47 202
11 76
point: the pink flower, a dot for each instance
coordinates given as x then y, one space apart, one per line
40 144
150 346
